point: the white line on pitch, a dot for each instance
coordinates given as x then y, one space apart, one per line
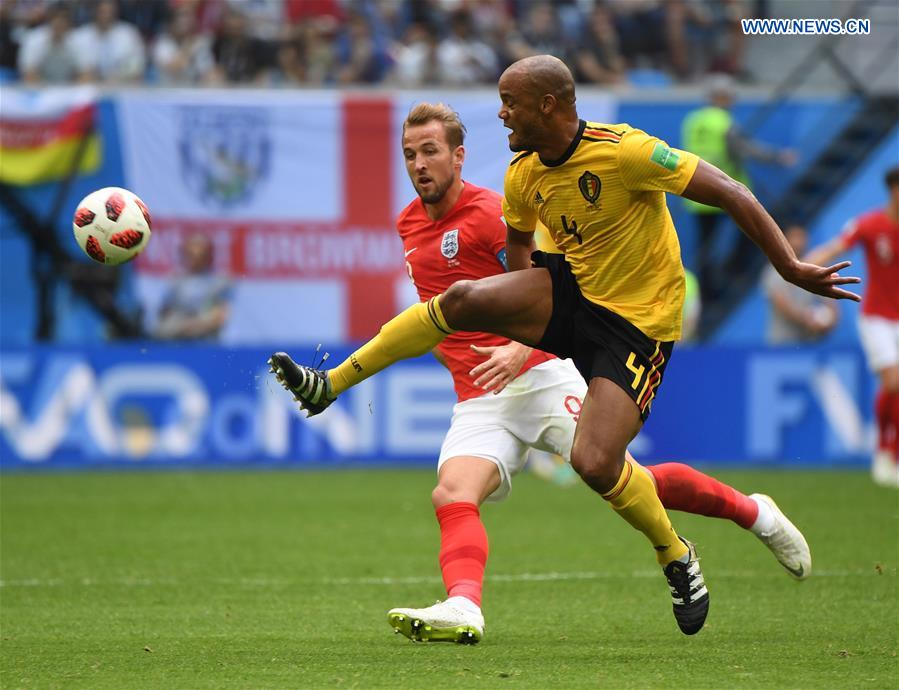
410 580
556 577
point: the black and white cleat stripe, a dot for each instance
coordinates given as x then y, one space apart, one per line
308 386
689 594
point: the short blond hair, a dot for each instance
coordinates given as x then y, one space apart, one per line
423 113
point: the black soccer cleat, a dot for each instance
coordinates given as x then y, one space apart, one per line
308 386
689 594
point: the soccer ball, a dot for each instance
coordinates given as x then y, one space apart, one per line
112 225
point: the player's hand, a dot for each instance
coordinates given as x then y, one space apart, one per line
502 365
823 280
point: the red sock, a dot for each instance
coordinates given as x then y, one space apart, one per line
883 414
893 435
680 487
463 550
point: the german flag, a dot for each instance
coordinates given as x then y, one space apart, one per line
601 134
41 132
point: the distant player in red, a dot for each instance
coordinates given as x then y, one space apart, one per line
455 231
878 234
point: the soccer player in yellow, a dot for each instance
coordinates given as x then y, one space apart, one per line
612 302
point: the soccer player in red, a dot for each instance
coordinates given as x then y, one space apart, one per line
878 234
515 399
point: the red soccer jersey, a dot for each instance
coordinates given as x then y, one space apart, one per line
879 236
466 244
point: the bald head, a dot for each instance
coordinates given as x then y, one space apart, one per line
542 75
537 95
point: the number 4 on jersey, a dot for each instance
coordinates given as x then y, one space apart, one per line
637 370
572 229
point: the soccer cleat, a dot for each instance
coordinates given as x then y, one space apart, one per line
689 595
308 386
442 622
786 542
885 470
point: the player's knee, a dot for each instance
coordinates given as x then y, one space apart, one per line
458 302
599 468
444 494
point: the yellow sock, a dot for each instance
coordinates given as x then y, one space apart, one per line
412 333
635 499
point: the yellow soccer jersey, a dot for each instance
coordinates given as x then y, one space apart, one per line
544 241
604 205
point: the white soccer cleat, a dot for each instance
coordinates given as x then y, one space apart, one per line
442 622
786 542
884 470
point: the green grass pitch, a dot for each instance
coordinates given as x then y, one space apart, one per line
283 579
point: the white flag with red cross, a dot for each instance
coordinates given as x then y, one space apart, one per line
298 191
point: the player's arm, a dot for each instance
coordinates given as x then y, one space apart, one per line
712 187
519 247
520 220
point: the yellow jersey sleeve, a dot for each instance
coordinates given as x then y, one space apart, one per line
516 211
648 164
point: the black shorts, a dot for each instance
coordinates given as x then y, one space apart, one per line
600 342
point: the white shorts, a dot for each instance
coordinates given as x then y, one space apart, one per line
880 340
539 409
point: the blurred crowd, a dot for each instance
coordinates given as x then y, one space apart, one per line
393 42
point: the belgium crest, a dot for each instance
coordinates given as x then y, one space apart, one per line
590 186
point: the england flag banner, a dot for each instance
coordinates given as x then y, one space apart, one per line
289 190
